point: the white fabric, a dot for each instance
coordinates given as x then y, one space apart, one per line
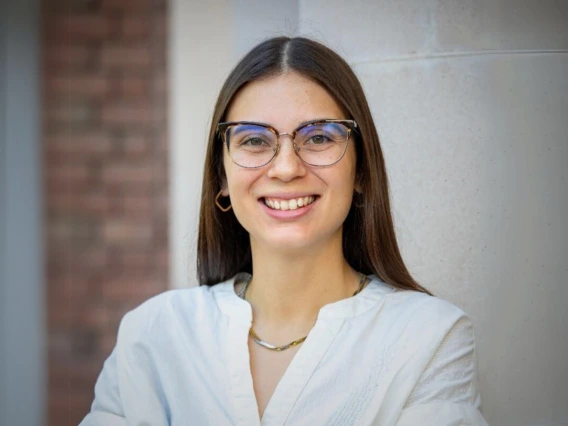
384 357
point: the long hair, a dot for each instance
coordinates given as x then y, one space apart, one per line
369 240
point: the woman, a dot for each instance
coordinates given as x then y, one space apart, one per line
306 313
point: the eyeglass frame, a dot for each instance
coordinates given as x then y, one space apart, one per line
224 126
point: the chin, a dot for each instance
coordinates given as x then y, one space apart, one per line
294 240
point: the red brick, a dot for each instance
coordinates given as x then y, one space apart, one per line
69 296
75 313
162 261
79 28
162 143
134 87
161 204
127 5
69 57
132 288
78 143
69 408
138 207
124 57
67 6
70 230
82 203
71 114
105 81
71 376
159 28
97 316
126 232
83 261
67 343
108 342
161 84
69 177
78 86
70 286
136 27
161 229
127 115
136 146
138 260
128 173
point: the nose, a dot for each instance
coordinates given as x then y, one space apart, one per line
286 165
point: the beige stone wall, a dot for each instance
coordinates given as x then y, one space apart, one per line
471 101
470 98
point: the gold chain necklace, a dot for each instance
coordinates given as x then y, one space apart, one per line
267 345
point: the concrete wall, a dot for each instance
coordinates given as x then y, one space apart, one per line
22 353
470 98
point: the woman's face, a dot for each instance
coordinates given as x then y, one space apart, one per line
284 102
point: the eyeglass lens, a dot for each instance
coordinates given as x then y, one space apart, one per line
318 144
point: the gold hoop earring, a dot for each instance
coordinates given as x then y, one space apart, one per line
223 209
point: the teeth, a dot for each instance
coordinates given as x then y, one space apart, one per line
289 204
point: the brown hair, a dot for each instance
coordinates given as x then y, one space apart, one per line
369 240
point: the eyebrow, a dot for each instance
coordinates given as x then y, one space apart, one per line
303 123
243 127
316 119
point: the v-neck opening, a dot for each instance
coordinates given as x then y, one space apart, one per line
304 363
298 372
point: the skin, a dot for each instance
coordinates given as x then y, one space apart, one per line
298 265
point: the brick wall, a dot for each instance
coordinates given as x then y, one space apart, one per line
106 193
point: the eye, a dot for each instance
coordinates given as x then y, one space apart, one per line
318 139
253 142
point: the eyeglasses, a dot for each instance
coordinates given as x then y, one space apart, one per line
317 143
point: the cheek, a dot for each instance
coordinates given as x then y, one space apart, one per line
240 183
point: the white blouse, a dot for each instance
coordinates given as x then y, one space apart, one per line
383 357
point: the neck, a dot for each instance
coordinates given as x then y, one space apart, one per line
290 289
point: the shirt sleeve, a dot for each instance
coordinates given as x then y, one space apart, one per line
447 393
106 408
127 391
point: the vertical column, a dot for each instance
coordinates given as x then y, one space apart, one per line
200 54
22 355
106 185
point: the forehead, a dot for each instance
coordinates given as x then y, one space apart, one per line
283 101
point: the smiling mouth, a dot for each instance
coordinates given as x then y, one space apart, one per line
292 204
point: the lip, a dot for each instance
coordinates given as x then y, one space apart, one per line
288 214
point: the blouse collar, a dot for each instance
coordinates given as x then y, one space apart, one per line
373 293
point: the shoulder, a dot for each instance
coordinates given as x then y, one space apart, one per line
174 306
422 306
428 319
